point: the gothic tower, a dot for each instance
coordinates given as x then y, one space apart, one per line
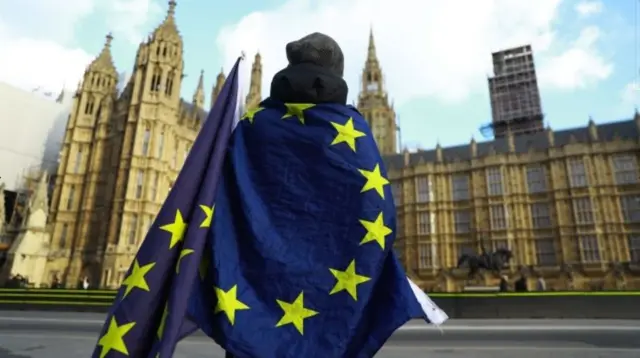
254 97
198 96
147 122
217 87
72 214
373 103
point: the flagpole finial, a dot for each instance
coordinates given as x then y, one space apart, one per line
243 55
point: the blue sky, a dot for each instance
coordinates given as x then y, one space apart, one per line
435 57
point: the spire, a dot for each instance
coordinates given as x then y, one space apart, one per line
201 81
373 101
439 155
372 77
473 147
254 97
371 51
40 200
60 98
104 61
550 136
168 28
217 88
198 96
511 144
593 129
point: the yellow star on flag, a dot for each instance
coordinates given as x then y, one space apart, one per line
113 339
250 114
208 212
228 303
348 280
136 278
183 254
375 180
296 110
376 231
346 134
295 313
163 321
177 229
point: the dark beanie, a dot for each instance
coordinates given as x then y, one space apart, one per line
318 49
314 73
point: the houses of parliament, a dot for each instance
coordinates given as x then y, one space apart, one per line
566 203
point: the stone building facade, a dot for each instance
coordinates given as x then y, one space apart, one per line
120 156
567 203
121 153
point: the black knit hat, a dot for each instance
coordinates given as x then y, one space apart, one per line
318 49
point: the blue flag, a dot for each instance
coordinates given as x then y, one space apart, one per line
148 315
300 259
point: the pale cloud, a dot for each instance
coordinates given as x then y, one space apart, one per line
579 66
131 17
36 37
588 8
427 48
33 50
30 63
50 19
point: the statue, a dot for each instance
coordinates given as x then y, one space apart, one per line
491 261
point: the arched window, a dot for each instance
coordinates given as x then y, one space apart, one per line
78 162
160 145
168 89
71 197
145 141
88 107
133 229
156 79
64 231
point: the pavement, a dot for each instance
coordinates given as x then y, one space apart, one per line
73 335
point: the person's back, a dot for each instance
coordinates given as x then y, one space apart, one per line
306 202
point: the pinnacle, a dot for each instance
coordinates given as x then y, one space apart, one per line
104 60
371 52
168 28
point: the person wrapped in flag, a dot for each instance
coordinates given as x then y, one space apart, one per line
276 240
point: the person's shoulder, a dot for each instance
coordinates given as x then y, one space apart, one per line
344 109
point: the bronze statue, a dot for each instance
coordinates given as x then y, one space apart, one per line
491 261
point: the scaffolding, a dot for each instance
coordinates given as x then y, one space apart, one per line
29 182
515 98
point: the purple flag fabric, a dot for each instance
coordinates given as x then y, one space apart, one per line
148 316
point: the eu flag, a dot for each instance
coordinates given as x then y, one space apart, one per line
300 259
148 315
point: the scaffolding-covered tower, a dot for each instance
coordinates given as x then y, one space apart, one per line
515 97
